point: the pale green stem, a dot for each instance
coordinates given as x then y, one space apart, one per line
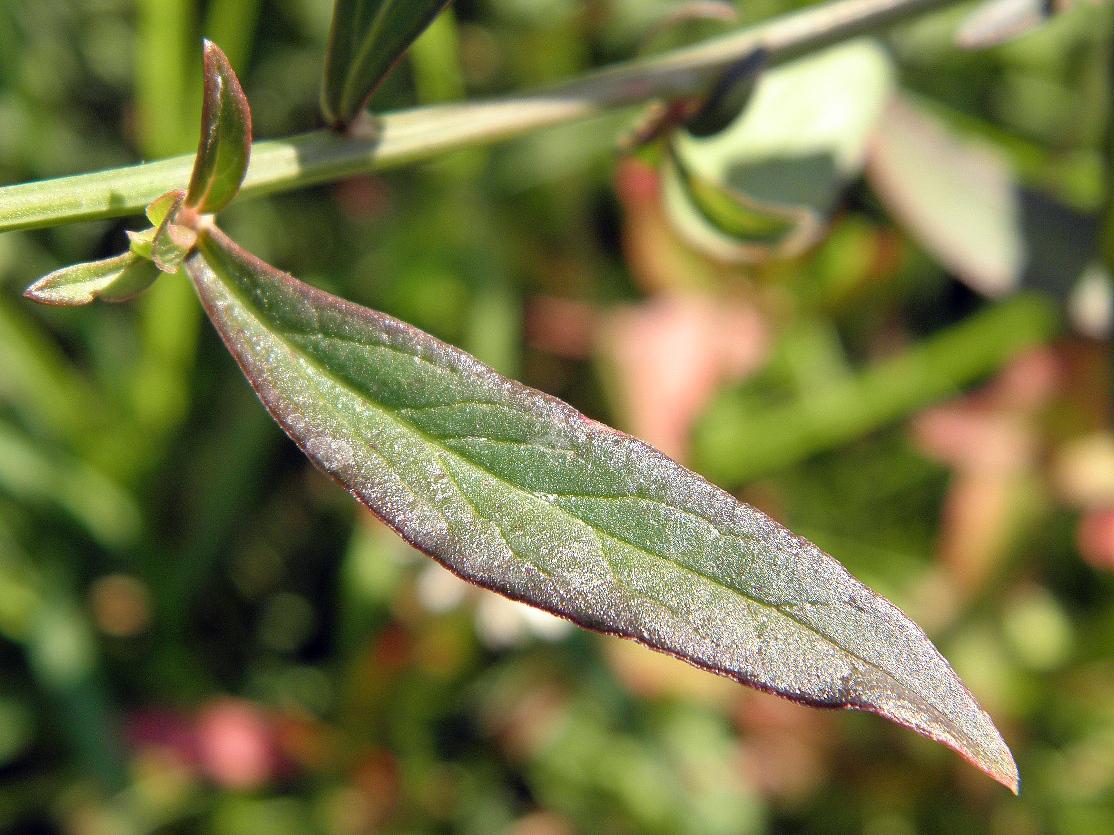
408 136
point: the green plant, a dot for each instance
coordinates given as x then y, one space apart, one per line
509 488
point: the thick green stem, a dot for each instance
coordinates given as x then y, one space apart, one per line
737 442
408 136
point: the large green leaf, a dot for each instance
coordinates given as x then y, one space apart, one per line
367 38
518 492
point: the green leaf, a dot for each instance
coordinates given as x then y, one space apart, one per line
367 38
113 279
516 491
765 185
222 154
161 209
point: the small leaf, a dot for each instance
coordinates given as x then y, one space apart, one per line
168 244
516 491
113 279
143 243
766 184
160 209
222 155
960 199
367 38
171 245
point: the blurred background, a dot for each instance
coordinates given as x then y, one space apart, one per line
200 632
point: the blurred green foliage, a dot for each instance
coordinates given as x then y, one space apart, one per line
202 633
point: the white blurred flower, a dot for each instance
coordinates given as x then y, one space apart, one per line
501 623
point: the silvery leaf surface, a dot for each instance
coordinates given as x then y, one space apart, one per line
518 492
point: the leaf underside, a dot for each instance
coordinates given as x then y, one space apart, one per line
516 491
366 40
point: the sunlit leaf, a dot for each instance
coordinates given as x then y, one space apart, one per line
222 154
766 184
518 492
113 279
958 196
961 200
367 38
160 209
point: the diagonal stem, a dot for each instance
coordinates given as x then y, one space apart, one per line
408 136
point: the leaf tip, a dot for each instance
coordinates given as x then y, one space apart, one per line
980 742
999 764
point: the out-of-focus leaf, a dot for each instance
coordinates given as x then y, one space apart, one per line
959 198
741 438
39 385
222 154
113 279
766 184
998 21
729 97
33 475
367 38
685 16
518 492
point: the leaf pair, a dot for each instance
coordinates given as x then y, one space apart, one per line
222 160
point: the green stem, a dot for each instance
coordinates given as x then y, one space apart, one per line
736 441
408 136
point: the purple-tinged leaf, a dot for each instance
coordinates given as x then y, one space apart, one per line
367 39
222 154
516 491
113 279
